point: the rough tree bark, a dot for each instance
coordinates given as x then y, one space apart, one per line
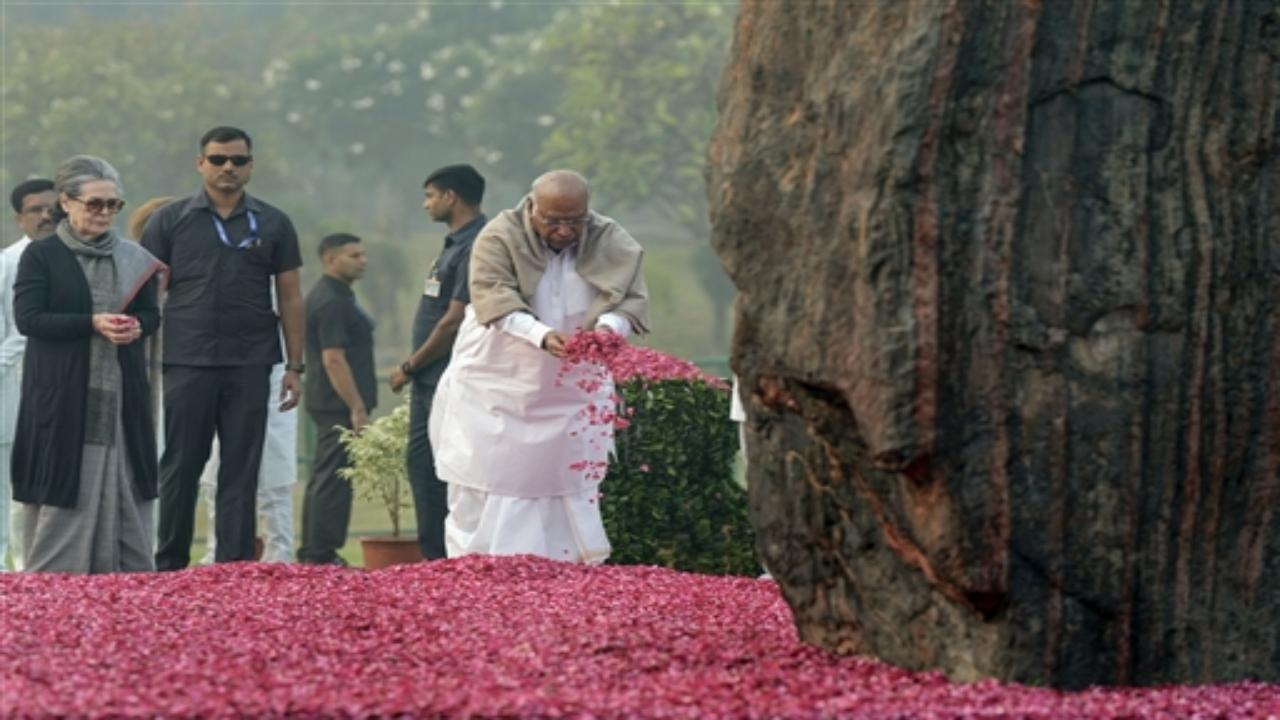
1009 328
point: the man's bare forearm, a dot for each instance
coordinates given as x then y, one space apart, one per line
440 342
294 327
292 317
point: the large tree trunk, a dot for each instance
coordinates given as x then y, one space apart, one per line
1009 327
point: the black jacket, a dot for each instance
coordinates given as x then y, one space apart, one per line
54 309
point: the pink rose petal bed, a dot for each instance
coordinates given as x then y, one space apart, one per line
479 636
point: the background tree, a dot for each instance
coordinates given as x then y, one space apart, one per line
350 106
633 113
126 90
387 105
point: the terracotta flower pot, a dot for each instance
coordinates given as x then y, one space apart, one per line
380 552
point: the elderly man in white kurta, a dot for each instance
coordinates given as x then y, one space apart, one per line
33 202
507 427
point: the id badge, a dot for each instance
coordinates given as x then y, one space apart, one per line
431 288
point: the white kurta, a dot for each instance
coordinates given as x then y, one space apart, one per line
12 346
513 437
738 414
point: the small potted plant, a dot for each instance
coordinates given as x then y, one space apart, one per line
377 474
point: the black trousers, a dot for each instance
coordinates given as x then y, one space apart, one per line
430 494
200 402
326 506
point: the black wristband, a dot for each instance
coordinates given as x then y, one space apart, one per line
406 369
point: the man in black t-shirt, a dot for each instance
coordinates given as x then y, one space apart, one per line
451 195
340 393
225 249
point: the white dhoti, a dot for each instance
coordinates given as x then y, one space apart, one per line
567 527
276 477
515 441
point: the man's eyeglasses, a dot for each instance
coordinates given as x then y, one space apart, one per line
220 160
563 222
97 205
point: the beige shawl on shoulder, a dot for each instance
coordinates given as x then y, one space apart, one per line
508 259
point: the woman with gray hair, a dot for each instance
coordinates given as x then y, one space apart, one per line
84 456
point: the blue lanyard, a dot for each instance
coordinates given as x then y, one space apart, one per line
249 240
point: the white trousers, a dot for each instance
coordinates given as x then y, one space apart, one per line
568 528
10 515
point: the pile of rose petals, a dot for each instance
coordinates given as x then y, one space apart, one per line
478 636
627 362
596 346
642 363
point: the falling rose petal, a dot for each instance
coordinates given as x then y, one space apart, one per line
480 636
595 357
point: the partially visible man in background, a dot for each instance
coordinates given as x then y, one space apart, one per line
341 392
33 202
138 220
451 195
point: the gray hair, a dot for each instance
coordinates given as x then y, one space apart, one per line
561 183
77 170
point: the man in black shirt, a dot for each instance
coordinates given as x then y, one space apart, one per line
340 340
224 248
451 195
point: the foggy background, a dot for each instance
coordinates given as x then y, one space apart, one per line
351 105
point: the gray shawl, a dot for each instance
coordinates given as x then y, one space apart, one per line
115 271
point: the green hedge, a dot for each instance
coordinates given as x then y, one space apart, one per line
669 497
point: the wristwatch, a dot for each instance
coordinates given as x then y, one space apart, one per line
407 369
295 367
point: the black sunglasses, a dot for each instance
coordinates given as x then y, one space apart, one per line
237 160
97 205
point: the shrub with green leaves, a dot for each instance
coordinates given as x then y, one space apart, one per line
670 498
377 472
